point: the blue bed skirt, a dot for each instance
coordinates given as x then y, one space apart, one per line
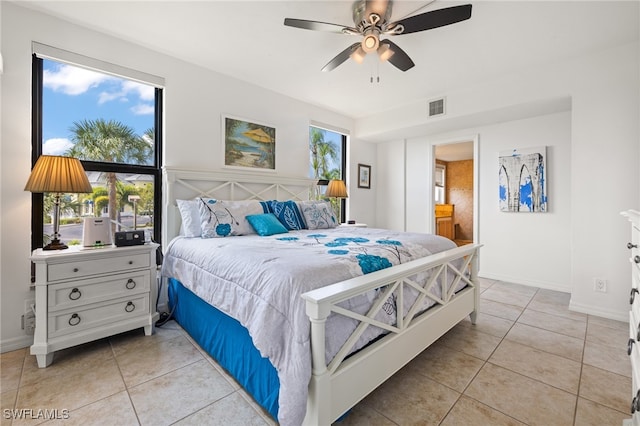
229 343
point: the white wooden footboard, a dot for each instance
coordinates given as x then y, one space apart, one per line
337 387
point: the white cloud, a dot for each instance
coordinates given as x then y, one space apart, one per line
110 96
72 80
128 88
56 146
143 109
146 93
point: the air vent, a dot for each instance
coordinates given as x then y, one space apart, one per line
436 107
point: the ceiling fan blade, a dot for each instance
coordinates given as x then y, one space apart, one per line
399 59
433 19
318 26
341 57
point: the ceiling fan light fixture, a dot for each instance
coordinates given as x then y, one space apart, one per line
370 43
372 19
385 52
358 55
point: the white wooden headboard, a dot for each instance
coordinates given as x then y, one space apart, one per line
183 184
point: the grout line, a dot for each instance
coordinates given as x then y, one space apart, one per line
485 362
124 382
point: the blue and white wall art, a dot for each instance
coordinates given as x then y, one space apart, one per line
523 180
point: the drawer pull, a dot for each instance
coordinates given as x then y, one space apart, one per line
131 262
634 291
630 346
75 294
631 246
74 320
635 403
130 307
636 259
131 284
75 269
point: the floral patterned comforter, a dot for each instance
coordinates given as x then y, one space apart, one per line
259 281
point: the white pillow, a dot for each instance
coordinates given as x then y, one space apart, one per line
190 218
219 218
318 214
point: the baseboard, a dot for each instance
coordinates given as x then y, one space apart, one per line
530 283
573 306
15 343
598 311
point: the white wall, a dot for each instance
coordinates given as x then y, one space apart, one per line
390 202
594 170
533 248
361 202
419 184
195 98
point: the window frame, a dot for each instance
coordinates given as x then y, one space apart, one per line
343 163
155 170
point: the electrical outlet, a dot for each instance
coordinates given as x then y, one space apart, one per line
29 322
29 316
600 285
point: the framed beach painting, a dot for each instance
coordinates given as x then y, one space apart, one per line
248 144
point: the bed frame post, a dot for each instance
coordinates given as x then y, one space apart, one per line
473 316
168 228
318 402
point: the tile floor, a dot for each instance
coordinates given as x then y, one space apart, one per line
528 361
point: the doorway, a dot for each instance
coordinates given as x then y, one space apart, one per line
455 190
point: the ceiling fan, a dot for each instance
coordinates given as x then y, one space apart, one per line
372 20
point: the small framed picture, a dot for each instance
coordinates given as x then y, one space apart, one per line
364 176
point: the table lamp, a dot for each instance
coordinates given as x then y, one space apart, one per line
58 175
337 189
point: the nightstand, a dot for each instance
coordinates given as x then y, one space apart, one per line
354 225
87 294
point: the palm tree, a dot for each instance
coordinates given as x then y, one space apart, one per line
111 142
321 152
123 191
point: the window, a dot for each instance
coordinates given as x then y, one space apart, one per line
440 175
327 150
113 125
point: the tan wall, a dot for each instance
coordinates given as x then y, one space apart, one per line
459 192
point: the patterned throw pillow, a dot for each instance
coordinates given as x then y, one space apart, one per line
318 214
220 218
288 214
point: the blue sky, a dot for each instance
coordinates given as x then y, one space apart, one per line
72 94
336 138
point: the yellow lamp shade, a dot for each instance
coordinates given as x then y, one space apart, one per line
58 174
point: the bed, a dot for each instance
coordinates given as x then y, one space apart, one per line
321 316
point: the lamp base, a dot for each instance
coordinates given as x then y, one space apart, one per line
55 245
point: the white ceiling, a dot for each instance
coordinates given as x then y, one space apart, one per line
247 40
455 151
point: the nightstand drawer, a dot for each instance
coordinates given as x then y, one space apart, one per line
78 293
96 315
85 268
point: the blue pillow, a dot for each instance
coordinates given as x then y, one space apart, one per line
266 224
288 214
